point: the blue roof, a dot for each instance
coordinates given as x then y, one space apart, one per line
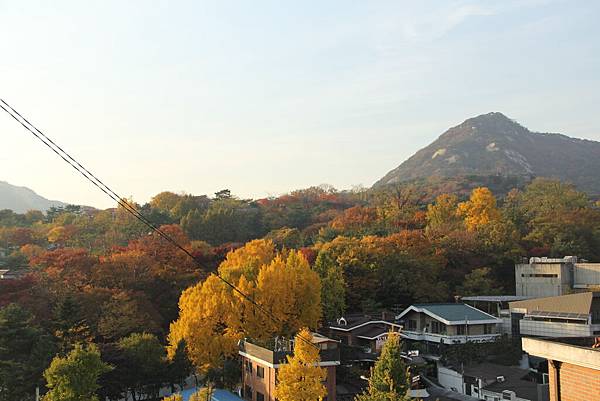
455 312
218 395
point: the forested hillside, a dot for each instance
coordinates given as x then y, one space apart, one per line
493 144
101 277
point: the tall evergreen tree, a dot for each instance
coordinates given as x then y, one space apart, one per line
389 377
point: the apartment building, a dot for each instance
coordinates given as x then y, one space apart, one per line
260 364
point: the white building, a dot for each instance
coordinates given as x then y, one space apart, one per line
573 315
451 323
546 277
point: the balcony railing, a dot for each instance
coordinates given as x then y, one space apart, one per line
448 338
279 357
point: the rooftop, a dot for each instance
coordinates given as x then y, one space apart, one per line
452 313
495 298
513 379
351 322
580 303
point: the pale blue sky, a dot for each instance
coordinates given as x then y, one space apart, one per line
264 97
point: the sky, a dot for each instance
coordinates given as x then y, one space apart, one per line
264 97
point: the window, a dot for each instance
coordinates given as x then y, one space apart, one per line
260 396
260 372
438 327
412 324
248 392
487 329
460 330
545 275
248 366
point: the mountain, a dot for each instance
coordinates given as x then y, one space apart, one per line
493 144
22 199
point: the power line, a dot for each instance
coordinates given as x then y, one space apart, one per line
124 204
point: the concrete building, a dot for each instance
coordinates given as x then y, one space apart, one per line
497 306
452 323
573 315
573 367
260 365
546 277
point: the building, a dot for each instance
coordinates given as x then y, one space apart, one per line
497 306
546 277
451 323
573 315
573 367
260 365
492 382
365 332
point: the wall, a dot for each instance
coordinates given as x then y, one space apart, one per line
450 378
542 286
577 383
554 329
586 275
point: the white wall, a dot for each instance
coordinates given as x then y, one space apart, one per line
450 378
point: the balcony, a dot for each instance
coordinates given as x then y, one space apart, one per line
447 338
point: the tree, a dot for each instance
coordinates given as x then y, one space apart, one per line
442 216
25 351
389 378
208 323
174 397
75 377
213 317
291 292
145 364
480 209
247 260
333 286
301 379
479 282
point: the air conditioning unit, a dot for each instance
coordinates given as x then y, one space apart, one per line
500 379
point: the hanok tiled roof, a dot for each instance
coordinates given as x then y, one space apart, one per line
452 313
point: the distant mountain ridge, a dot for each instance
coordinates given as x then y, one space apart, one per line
22 199
493 144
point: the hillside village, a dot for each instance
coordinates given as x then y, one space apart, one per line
462 331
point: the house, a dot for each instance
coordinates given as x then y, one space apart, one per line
260 364
364 331
448 323
573 315
546 277
573 366
492 382
497 306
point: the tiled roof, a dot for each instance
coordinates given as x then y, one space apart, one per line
452 312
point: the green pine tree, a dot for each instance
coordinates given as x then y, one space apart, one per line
389 377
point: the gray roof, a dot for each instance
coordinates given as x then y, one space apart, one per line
496 298
453 313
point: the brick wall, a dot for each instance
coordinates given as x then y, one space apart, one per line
576 383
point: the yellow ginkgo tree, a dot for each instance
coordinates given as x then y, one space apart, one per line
301 378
